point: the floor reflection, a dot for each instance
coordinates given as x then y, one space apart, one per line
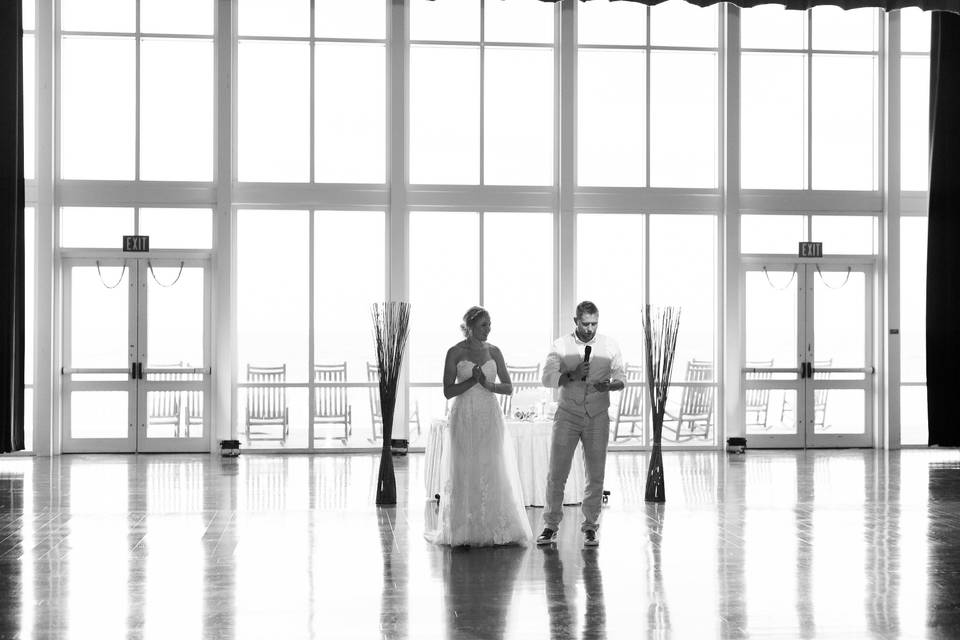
561 595
791 544
12 525
943 544
658 608
478 589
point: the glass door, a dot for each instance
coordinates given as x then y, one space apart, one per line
99 356
136 355
807 363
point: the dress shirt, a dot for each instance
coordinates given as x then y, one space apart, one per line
577 396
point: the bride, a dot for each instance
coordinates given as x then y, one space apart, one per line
481 502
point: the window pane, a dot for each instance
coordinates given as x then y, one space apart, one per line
354 243
99 414
844 122
846 234
176 117
99 316
838 317
29 107
175 320
273 291
611 23
683 119
914 30
445 114
95 227
680 24
273 112
683 273
612 244
177 228
771 26
176 16
444 283
914 122
273 17
913 300
518 250
350 19
771 233
30 294
28 424
772 121
518 131
611 124
29 15
518 21
104 15
770 323
837 29
97 80
350 113
445 20
914 428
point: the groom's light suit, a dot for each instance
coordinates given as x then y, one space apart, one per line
581 417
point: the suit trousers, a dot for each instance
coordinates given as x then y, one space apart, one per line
568 430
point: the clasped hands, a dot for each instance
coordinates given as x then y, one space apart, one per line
481 379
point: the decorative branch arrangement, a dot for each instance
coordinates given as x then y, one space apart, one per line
660 330
391 325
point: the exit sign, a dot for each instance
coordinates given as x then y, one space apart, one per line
136 243
810 250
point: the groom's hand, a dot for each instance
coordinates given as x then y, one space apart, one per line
603 385
581 372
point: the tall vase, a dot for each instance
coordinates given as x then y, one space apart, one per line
391 323
660 340
656 490
387 480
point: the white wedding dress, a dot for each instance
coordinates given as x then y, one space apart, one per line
481 501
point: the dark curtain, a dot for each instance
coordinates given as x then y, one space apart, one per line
11 227
943 233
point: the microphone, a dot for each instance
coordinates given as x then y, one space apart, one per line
586 358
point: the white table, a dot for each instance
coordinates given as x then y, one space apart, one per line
531 441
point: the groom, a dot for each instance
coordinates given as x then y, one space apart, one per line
586 367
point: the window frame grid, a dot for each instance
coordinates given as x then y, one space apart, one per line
79 192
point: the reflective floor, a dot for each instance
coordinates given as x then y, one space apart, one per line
829 544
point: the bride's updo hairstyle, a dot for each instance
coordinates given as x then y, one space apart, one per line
470 318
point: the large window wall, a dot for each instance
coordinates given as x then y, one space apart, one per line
333 154
311 96
305 282
810 98
647 112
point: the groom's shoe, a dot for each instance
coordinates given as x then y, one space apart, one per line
548 536
590 538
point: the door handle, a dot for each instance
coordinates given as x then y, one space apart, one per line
133 370
139 371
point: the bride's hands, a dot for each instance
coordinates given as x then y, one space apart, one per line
481 379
